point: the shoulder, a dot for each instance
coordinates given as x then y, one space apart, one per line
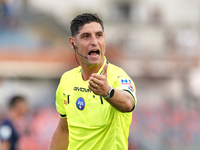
71 73
114 70
6 122
117 76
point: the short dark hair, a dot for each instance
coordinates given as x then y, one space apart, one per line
15 99
80 20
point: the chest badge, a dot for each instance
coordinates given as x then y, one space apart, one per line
80 103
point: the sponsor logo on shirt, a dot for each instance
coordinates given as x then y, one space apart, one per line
81 89
80 103
126 84
131 88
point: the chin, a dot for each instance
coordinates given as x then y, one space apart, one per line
94 62
97 62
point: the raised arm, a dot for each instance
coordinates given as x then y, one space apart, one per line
121 100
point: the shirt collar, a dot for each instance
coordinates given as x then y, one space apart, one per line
101 69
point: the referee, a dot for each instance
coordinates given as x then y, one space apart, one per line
96 99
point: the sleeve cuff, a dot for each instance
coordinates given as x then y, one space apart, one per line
133 98
62 116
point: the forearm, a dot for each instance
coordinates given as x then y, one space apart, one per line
60 138
59 141
122 101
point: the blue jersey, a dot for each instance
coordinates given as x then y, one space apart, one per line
9 133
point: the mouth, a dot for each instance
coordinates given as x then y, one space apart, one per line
94 53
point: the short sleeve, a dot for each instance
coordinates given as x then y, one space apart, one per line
124 82
60 101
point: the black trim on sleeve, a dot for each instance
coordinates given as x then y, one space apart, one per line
132 108
133 98
130 93
62 115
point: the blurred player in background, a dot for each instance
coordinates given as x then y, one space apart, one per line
10 126
96 99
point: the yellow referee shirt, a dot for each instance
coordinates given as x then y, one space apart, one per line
93 123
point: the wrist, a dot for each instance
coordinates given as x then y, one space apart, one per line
110 93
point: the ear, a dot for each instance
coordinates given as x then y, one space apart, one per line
71 40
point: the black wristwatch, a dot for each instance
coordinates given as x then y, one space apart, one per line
110 93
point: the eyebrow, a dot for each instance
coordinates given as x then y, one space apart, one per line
100 32
90 33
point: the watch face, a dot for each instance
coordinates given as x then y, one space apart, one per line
112 93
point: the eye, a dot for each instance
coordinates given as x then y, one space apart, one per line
99 34
85 36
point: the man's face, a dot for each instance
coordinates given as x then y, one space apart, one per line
21 108
90 42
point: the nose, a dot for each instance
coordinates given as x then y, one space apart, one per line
93 40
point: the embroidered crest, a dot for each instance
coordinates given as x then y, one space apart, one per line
80 103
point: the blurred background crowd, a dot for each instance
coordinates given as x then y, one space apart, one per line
156 42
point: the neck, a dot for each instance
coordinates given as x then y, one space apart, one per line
87 70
